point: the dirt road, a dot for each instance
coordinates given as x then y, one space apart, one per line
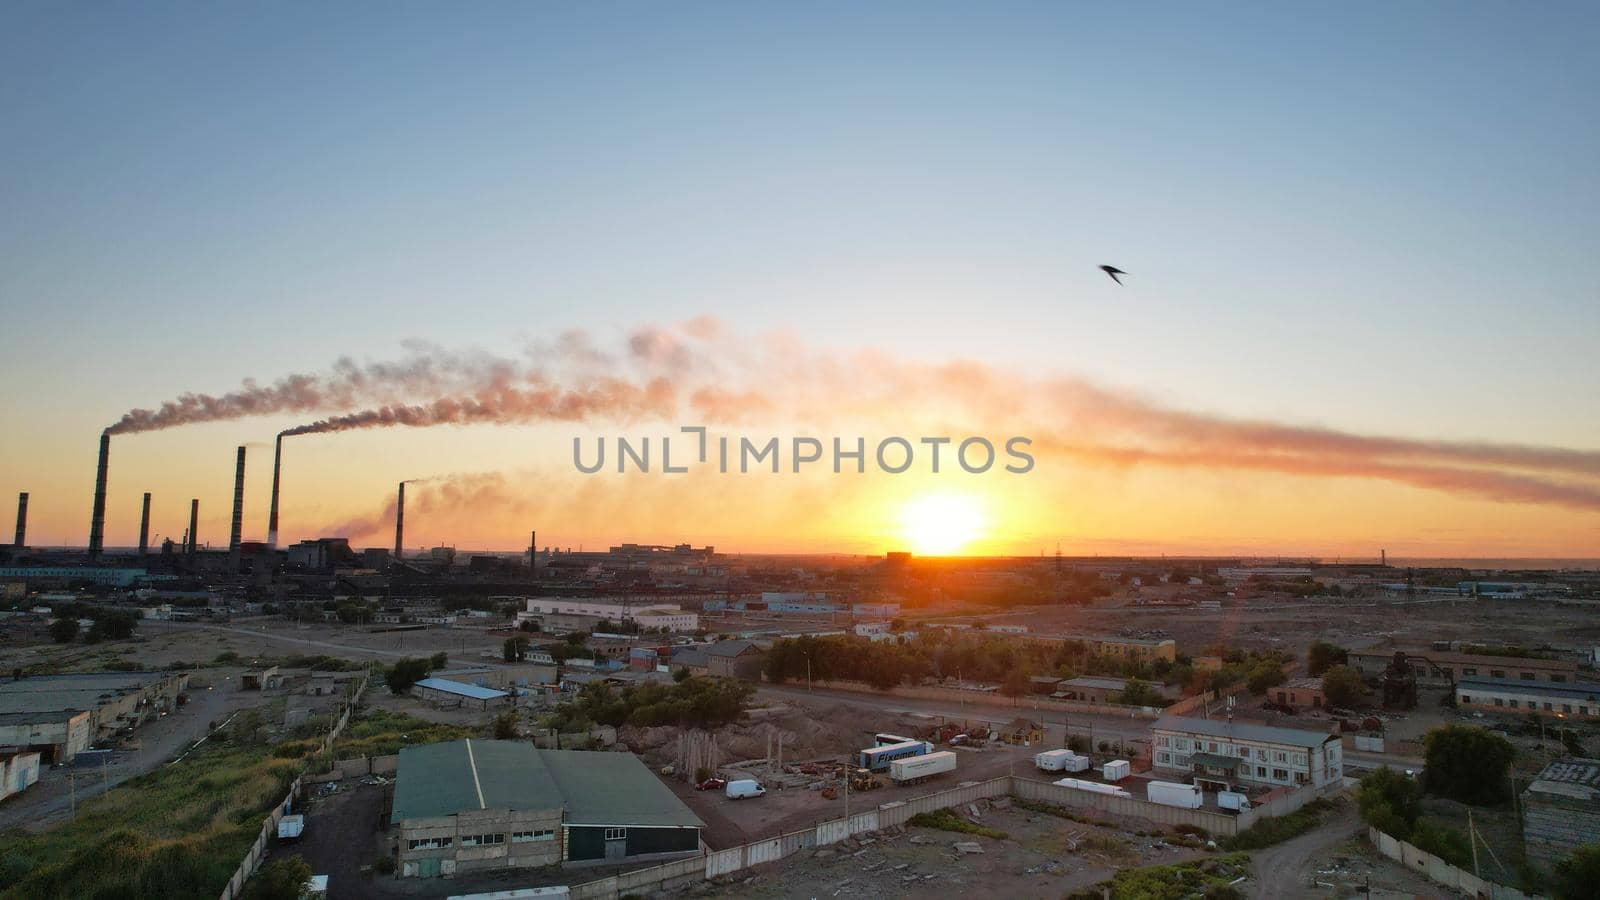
1285 870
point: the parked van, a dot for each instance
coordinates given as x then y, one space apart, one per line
738 790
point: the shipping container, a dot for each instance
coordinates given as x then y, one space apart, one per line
1116 770
914 769
1061 761
1183 796
1093 787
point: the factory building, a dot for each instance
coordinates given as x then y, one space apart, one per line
650 614
1575 700
109 576
472 805
1438 668
447 694
1220 754
62 715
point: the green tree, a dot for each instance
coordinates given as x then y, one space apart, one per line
405 673
1390 801
439 660
515 649
1578 875
1343 686
1137 693
64 630
1264 675
1323 656
282 879
505 725
1467 763
1016 683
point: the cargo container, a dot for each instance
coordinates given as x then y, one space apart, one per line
291 827
1231 800
1116 770
1183 796
1093 787
914 769
1061 761
877 759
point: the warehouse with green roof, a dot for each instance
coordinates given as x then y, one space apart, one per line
471 805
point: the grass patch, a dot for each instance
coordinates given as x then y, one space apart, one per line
945 820
1060 812
1267 832
380 732
1207 878
179 831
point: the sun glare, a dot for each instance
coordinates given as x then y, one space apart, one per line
941 524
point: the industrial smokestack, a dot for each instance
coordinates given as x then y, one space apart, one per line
533 551
272 516
238 504
194 525
400 523
97 522
22 520
144 526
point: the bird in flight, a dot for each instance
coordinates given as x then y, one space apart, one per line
1113 271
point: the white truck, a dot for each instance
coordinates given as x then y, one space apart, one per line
915 769
739 790
1232 800
1183 796
1093 787
1061 761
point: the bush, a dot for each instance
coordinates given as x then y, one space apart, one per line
383 865
1467 763
406 673
281 879
1267 832
1193 830
1390 801
945 820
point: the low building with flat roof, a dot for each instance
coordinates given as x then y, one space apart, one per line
471 805
1439 668
62 715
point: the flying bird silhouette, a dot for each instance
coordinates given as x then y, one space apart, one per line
1113 271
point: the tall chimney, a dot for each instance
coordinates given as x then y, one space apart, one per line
272 516
238 503
22 520
144 526
400 523
194 525
533 551
97 523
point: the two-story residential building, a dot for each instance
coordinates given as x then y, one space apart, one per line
1222 755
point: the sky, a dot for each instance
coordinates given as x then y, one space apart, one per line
1367 218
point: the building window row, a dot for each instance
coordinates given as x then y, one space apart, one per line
482 840
522 837
438 843
616 834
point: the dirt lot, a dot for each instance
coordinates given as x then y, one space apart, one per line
1042 856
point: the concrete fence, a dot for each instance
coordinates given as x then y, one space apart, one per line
718 863
1023 704
269 827
1441 872
355 768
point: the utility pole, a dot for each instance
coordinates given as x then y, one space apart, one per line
1472 838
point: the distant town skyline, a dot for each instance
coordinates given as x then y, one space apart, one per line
1359 312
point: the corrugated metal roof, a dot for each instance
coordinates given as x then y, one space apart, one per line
595 788
461 688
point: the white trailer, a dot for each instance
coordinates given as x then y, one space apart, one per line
291 827
914 769
1232 800
1116 770
1093 787
1183 796
1061 761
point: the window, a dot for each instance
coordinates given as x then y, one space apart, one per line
1499 702
1164 757
1211 747
1465 699
430 843
616 834
1163 741
1280 756
1280 774
1469 670
1261 754
1261 771
1515 704
1583 710
482 840
1548 708
1497 673
1566 707
523 837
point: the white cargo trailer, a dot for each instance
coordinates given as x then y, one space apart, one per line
1232 800
291 827
914 769
1094 787
1061 761
1116 770
1183 796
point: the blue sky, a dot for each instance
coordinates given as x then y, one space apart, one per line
1373 216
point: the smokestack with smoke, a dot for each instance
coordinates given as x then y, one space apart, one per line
22 520
194 525
144 526
400 523
272 514
238 504
97 521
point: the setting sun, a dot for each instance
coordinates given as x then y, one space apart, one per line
941 524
